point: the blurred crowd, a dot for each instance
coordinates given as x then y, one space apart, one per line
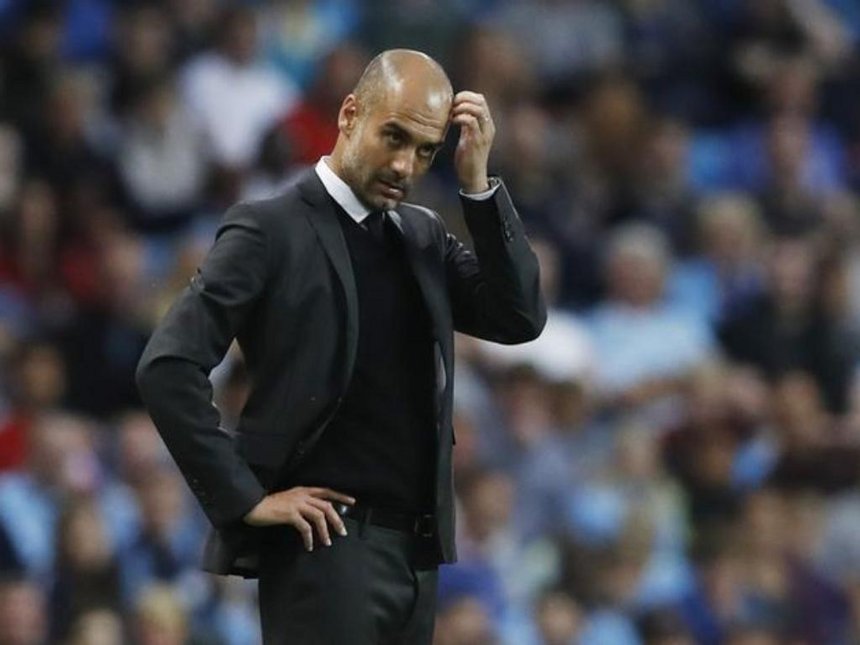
675 461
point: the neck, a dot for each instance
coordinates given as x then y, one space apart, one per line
335 159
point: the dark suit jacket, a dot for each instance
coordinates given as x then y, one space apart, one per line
279 279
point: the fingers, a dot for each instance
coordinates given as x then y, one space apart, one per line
317 516
469 97
479 123
474 104
331 515
308 518
305 531
477 111
467 120
328 493
318 513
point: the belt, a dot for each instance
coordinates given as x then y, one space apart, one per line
412 523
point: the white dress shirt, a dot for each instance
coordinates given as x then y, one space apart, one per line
346 199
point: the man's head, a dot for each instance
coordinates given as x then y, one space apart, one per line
391 126
638 257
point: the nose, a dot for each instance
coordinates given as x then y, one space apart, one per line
403 163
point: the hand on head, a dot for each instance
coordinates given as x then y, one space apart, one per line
477 130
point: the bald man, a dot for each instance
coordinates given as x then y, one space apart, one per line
336 491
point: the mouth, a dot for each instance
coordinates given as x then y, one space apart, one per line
391 190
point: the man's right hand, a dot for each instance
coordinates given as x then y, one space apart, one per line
302 508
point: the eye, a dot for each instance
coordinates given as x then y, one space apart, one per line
426 152
394 138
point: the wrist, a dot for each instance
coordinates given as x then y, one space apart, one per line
476 185
252 517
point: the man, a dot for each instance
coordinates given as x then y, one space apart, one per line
337 491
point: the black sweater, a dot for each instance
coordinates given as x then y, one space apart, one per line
380 446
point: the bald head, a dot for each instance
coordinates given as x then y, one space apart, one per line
396 71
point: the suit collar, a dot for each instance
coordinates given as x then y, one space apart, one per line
340 191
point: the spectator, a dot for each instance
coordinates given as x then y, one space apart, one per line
161 158
725 273
144 49
720 597
166 548
632 489
86 571
62 146
234 96
310 129
661 193
101 342
634 367
31 61
31 238
61 463
38 385
785 328
159 619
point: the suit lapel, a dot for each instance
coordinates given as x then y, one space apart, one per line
433 296
323 218
419 268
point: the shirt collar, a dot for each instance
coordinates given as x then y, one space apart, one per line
340 191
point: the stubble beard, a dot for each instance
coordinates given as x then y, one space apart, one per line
351 169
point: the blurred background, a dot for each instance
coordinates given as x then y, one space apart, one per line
675 461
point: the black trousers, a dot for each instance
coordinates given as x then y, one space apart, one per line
371 587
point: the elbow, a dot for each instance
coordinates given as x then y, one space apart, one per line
533 329
536 321
528 328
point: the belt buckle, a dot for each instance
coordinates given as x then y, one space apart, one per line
425 526
341 509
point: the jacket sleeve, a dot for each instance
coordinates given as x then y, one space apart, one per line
173 373
495 291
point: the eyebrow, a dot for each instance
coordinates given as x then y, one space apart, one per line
436 145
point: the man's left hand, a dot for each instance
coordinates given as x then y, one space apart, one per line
471 112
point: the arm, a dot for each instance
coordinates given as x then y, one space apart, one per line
173 373
495 295
495 292
173 378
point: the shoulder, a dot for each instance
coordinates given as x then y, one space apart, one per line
418 213
423 219
271 213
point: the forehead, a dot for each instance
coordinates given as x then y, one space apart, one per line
420 110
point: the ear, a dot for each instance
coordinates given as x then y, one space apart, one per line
348 115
